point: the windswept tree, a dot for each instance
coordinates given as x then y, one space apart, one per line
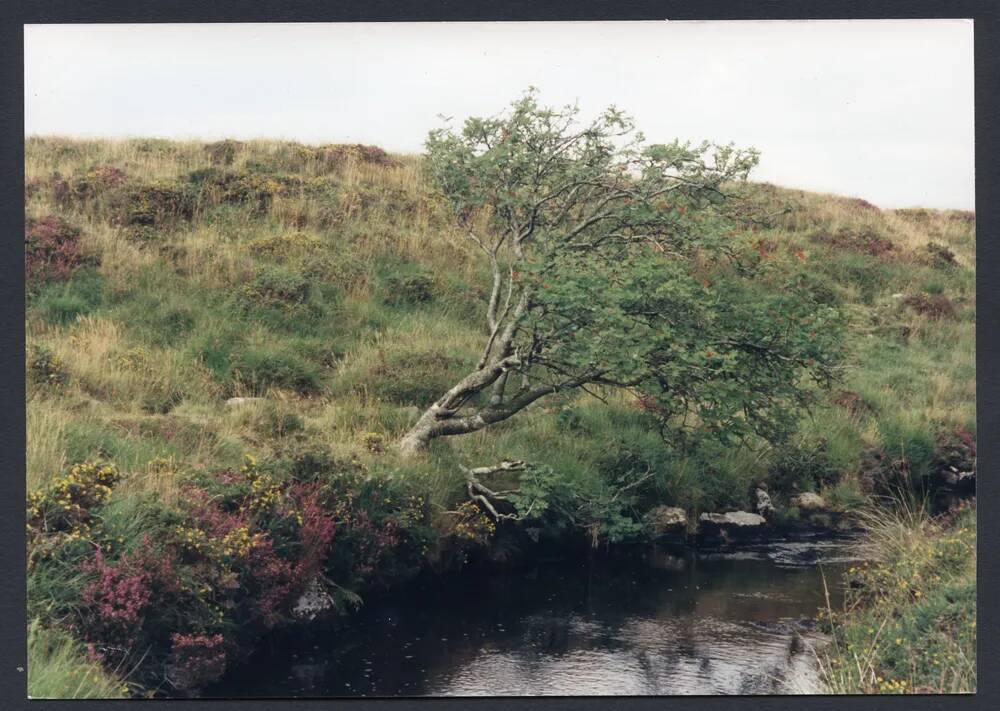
617 263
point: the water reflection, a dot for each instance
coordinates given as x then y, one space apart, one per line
681 625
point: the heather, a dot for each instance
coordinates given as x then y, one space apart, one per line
227 341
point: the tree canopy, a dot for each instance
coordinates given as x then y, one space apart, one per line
613 262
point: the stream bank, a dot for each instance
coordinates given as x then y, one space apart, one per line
652 619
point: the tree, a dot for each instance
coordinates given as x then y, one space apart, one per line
616 263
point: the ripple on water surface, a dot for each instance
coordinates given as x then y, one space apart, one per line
695 626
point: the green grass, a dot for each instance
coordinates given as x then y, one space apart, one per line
909 622
348 294
58 668
335 286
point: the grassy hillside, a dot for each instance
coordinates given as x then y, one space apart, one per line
166 278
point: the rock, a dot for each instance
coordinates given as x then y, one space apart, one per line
764 506
733 525
738 519
808 501
313 601
238 401
665 520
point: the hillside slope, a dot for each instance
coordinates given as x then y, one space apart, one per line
166 279
328 279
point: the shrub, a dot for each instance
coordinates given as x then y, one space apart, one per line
45 368
52 249
196 660
933 306
95 183
863 242
65 508
276 288
941 256
407 289
123 604
156 204
802 466
259 368
223 152
470 524
374 442
333 156
284 246
254 191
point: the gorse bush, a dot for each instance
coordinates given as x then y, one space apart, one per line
63 511
339 285
253 191
909 619
155 204
45 368
229 562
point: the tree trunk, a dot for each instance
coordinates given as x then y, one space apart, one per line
416 440
438 422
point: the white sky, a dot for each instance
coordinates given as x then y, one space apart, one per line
880 109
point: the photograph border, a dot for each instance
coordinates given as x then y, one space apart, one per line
985 13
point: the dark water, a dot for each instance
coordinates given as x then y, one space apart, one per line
673 624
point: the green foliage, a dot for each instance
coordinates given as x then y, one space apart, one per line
64 303
45 368
412 378
600 249
276 288
802 465
257 368
58 668
407 287
372 239
156 204
909 623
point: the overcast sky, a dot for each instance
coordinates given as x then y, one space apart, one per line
877 109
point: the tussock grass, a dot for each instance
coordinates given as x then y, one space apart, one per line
175 317
909 621
58 668
356 231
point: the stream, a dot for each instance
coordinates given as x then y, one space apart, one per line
737 622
